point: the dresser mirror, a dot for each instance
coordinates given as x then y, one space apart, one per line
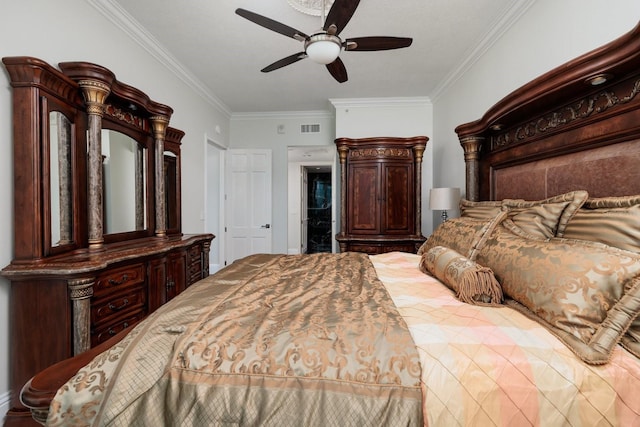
172 190
124 174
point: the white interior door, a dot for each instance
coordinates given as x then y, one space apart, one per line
248 203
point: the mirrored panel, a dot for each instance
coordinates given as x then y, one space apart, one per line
124 183
60 179
171 190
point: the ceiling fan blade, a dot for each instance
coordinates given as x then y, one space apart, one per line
377 43
284 62
340 14
338 70
272 25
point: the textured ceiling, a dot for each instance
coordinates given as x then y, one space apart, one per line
224 53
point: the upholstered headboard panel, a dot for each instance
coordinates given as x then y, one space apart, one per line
575 127
612 170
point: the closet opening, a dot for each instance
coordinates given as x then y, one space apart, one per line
316 207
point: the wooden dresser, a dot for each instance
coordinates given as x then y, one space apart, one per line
380 194
97 232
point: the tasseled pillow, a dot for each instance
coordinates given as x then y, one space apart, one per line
471 282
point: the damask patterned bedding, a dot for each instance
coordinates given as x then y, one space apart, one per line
335 351
271 340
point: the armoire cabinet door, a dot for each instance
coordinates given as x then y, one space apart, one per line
397 199
364 198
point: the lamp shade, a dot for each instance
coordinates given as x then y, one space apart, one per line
442 199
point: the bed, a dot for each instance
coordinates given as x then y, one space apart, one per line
522 311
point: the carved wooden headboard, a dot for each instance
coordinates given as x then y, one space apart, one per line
575 127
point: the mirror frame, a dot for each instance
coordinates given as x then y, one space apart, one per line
77 147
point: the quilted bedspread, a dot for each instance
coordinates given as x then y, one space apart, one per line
492 366
271 340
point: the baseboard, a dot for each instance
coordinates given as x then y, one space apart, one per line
213 268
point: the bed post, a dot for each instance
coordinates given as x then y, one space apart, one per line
471 146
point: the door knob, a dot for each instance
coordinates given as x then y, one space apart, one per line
266 226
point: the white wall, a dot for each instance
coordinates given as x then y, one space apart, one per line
549 34
395 117
261 131
73 30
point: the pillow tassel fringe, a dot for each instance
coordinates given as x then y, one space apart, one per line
481 283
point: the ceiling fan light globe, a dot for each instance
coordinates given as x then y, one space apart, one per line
323 48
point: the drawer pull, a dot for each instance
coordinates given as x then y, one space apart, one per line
114 282
113 331
113 307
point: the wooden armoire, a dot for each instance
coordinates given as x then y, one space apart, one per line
97 227
380 194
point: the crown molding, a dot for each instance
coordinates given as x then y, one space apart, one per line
380 102
123 20
319 114
496 31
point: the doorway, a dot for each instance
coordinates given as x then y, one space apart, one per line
301 161
317 204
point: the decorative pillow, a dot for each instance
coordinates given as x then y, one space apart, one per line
463 235
480 210
612 220
585 293
472 283
545 218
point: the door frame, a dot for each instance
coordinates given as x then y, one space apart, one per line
214 201
295 196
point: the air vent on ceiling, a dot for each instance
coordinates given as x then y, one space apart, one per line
314 128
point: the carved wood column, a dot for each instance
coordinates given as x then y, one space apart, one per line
472 146
418 152
206 248
80 292
95 93
159 125
343 152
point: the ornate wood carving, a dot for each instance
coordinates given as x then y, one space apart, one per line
586 107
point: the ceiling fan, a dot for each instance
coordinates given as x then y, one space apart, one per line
324 46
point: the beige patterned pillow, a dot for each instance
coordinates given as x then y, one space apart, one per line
545 218
612 220
585 293
463 235
471 282
485 210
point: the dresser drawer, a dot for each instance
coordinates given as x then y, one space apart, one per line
100 335
194 254
119 278
195 273
115 305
